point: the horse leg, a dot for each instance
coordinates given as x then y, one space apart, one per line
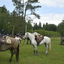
45 44
17 54
61 42
35 48
36 52
30 41
27 41
11 54
46 49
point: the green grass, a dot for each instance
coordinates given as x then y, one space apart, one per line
55 56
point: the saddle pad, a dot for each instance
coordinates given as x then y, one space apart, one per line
39 39
8 40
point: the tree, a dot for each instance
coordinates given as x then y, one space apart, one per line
4 18
45 26
35 26
22 8
60 28
39 25
50 27
29 26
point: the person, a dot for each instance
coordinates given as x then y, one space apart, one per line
3 32
18 38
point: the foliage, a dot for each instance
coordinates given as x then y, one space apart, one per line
60 28
32 1
50 27
48 33
4 15
29 26
36 27
21 9
17 19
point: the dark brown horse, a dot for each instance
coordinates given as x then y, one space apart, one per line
62 40
13 46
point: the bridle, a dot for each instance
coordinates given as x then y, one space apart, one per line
24 40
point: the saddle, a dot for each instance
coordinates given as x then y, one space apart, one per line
6 40
39 39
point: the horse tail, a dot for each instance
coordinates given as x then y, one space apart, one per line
49 46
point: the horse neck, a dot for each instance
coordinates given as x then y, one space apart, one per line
31 36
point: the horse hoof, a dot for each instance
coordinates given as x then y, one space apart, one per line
33 53
45 53
36 54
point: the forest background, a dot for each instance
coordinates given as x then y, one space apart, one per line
15 22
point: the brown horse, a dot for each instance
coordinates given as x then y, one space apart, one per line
13 46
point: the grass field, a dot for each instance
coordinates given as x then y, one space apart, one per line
55 56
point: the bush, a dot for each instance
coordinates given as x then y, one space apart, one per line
48 33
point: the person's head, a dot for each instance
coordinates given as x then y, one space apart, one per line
2 29
17 35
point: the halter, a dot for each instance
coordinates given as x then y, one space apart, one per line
26 35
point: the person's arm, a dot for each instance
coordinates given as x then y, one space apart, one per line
20 39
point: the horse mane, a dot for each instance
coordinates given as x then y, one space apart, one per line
30 34
27 33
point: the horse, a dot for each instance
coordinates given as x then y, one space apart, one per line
46 40
28 40
62 40
11 45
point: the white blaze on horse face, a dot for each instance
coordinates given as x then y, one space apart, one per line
26 35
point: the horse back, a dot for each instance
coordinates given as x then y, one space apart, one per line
47 39
14 42
4 45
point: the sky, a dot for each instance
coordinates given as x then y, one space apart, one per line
51 11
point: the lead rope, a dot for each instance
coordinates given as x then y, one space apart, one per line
23 43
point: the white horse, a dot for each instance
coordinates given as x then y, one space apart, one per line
45 41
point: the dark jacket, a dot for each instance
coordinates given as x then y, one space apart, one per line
3 32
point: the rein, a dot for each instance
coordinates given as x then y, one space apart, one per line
22 44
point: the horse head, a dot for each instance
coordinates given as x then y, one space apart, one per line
25 36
